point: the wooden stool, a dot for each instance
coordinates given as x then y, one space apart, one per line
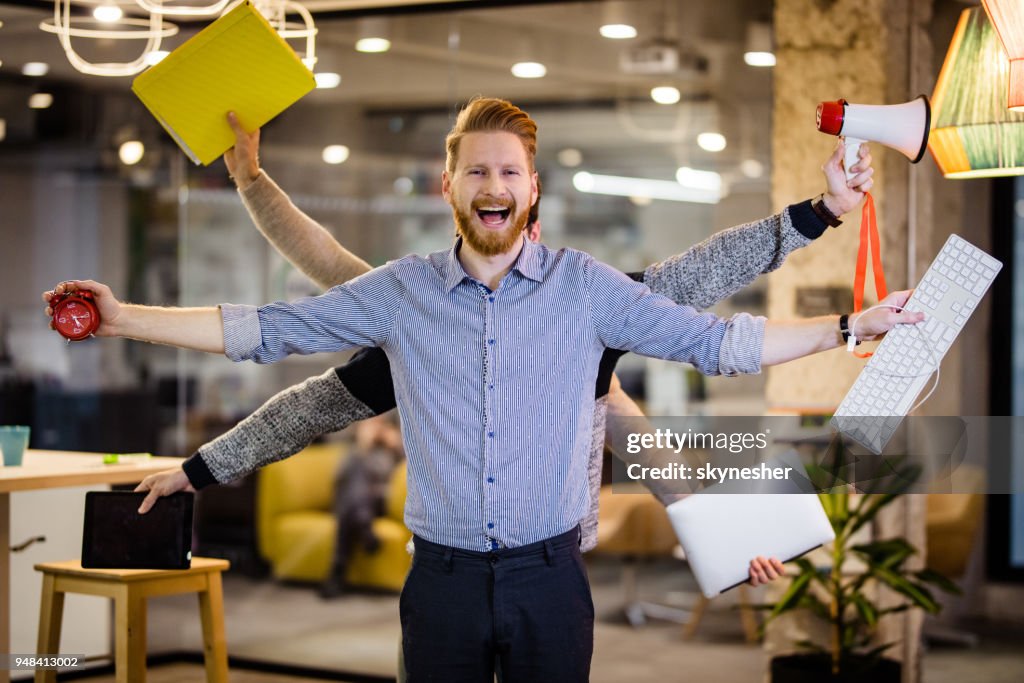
129 589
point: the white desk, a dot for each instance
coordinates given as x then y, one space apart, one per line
55 469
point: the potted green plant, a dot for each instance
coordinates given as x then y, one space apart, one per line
840 595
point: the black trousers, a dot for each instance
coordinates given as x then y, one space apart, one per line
528 608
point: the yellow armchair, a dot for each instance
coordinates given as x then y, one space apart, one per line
296 526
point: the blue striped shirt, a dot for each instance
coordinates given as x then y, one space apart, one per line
495 388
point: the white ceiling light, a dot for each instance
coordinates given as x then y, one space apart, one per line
374 35
107 13
696 179
155 57
759 58
335 154
615 21
131 152
529 70
326 80
3 129
372 45
404 186
618 31
665 94
158 7
40 100
570 157
752 168
711 142
35 69
152 30
759 45
622 186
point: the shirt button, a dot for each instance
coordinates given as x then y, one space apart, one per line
491 299
490 386
490 480
490 341
490 525
490 435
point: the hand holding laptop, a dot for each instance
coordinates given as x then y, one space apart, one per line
763 570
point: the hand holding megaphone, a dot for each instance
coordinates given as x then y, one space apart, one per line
904 127
845 191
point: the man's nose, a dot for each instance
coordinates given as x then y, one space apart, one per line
495 186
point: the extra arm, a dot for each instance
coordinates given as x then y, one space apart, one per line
305 243
621 406
284 425
300 239
731 259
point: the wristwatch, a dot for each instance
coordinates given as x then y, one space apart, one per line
822 211
844 328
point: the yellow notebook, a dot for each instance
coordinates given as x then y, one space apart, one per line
238 63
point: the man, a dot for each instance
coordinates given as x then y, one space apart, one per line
494 347
699 277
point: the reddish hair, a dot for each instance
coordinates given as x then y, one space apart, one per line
491 115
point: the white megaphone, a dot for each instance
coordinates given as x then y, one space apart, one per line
903 127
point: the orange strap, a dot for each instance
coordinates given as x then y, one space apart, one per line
868 237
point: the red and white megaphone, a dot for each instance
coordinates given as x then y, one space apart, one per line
903 127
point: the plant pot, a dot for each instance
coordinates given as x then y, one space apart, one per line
817 668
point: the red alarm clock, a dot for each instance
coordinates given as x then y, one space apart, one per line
75 314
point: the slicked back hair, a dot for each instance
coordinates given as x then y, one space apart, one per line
491 115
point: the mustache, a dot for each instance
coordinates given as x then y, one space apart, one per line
478 204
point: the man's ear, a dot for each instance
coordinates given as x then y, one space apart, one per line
533 231
534 188
446 186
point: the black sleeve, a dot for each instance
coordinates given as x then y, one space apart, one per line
367 376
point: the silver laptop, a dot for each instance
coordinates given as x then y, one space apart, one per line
721 532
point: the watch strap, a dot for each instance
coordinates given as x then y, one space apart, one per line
822 211
844 328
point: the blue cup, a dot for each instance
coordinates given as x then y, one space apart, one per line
13 441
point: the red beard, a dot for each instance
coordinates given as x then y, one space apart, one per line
489 242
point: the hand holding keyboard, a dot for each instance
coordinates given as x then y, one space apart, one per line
886 388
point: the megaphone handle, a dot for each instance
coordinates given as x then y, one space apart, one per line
852 154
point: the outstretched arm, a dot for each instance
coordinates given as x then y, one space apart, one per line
281 427
305 243
731 259
620 406
787 340
284 425
199 329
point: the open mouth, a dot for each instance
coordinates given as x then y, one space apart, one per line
493 215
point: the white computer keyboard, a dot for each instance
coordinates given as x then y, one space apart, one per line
904 361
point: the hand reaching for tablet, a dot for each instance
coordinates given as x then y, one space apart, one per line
162 484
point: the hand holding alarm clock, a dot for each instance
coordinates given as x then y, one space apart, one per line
75 315
74 310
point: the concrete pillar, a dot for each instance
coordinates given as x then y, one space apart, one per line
871 52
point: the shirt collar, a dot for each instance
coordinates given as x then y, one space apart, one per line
528 264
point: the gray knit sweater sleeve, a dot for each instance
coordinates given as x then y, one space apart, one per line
283 426
726 262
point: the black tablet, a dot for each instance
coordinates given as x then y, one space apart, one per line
116 536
